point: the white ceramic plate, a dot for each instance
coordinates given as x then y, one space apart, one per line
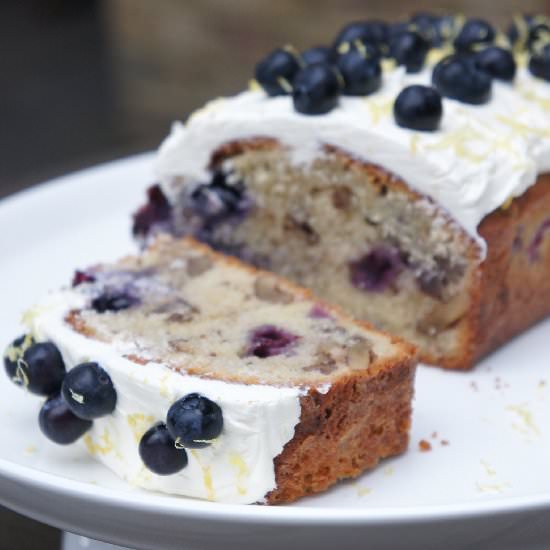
485 480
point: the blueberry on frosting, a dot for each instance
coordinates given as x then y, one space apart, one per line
316 89
418 108
458 78
361 72
59 424
194 421
317 54
37 367
276 72
409 48
434 28
526 30
159 452
474 33
539 64
89 391
497 62
13 353
372 32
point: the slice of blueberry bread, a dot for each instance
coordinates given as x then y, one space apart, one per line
404 184
187 372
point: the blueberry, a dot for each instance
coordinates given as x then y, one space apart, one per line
59 424
539 35
81 277
458 78
475 32
362 74
398 28
38 367
269 340
418 108
437 29
156 213
517 31
410 49
318 54
373 32
527 30
365 49
275 73
113 300
194 421
316 89
377 270
497 62
429 26
13 353
539 64
159 453
219 201
89 391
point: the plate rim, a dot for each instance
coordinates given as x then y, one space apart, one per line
264 514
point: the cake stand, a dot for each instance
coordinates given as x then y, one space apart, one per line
483 482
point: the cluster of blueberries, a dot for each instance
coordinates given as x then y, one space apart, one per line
351 66
86 392
74 398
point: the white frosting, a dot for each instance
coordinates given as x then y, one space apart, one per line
479 158
238 467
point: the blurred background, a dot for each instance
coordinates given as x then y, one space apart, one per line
86 81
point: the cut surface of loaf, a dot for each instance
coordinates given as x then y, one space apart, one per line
308 395
424 234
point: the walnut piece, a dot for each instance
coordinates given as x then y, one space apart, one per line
268 289
359 353
341 198
197 265
443 316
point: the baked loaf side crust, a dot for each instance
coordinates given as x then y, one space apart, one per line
514 280
359 422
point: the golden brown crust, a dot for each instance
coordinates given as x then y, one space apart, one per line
514 283
358 422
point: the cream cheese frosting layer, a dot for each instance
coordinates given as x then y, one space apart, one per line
480 157
237 468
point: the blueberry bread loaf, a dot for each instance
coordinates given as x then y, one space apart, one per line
401 173
189 373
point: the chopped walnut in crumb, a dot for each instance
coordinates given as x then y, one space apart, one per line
444 442
268 289
179 317
424 446
342 198
328 353
197 265
360 353
325 365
